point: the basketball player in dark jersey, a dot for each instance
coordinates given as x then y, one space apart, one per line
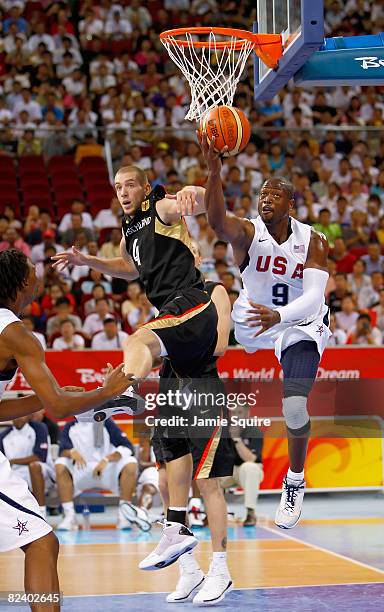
156 247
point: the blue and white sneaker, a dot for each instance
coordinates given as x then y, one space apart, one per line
289 512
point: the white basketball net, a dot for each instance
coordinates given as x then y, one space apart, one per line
212 73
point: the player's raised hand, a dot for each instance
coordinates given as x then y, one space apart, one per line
115 381
73 257
211 155
261 316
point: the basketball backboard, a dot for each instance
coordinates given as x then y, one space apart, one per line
301 25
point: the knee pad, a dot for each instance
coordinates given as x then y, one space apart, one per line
296 414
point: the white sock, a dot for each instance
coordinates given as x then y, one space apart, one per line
124 501
219 559
296 476
69 508
43 510
188 561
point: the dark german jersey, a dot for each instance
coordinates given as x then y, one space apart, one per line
161 252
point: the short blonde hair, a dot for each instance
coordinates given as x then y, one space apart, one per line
140 174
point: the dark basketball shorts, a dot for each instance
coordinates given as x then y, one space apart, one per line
187 326
203 434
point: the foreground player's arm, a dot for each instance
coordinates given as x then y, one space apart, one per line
30 358
315 278
187 202
223 306
118 267
239 232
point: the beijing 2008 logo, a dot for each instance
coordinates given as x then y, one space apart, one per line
370 62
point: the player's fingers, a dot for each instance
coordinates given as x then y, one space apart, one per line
191 203
259 332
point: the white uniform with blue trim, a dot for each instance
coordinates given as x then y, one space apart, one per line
273 277
20 518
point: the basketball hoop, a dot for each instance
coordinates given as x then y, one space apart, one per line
213 66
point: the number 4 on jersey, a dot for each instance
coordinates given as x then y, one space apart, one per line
135 251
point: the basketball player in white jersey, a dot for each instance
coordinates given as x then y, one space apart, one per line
283 265
21 522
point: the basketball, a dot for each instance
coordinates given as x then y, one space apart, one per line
229 126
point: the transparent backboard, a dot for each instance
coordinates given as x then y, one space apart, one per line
301 24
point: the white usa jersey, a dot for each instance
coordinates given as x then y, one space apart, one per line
20 519
273 277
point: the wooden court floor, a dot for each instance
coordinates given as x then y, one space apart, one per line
101 562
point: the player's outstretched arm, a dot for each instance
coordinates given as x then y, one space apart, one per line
118 267
30 358
239 232
187 202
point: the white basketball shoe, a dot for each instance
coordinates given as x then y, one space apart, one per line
216 586
191 578
289 511
175 541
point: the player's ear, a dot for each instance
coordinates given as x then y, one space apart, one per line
291 204
147 188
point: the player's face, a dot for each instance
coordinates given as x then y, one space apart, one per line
32 286
130 192
274 204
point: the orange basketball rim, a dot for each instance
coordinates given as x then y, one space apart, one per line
268 47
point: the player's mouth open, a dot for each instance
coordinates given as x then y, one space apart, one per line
267 209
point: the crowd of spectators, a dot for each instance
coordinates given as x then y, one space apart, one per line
79 72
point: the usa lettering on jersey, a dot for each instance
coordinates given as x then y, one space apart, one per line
279 266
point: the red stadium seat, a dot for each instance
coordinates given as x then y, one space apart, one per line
98 191
31 162
32 173
62 181
92 163
7 164
42 201
97 203
61 163
11 199
8 183
69 192
34 181
105 234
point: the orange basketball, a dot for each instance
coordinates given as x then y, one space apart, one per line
229 126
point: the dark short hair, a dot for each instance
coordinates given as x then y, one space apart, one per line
63 300
220 243
14 272
324 210
364 316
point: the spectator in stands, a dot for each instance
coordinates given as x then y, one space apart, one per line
339 337
49 301
116 27
95 321
364 334
64 310
111 338
9 212
97 458
379 310
374 261
369 296
344 260
324 225
12 240
143 313
358 279
341 291
29 323
71 235
357 235
77 207
69 339
29 144
248 471
25 444
347 316
88 148
111 248
134 290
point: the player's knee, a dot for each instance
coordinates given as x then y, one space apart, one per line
208 486
35 468
47 548
296 415
61 470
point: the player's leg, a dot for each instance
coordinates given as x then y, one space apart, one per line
41 570
196 512
191 577
249 476
38 484
65 486
126 474
299 363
